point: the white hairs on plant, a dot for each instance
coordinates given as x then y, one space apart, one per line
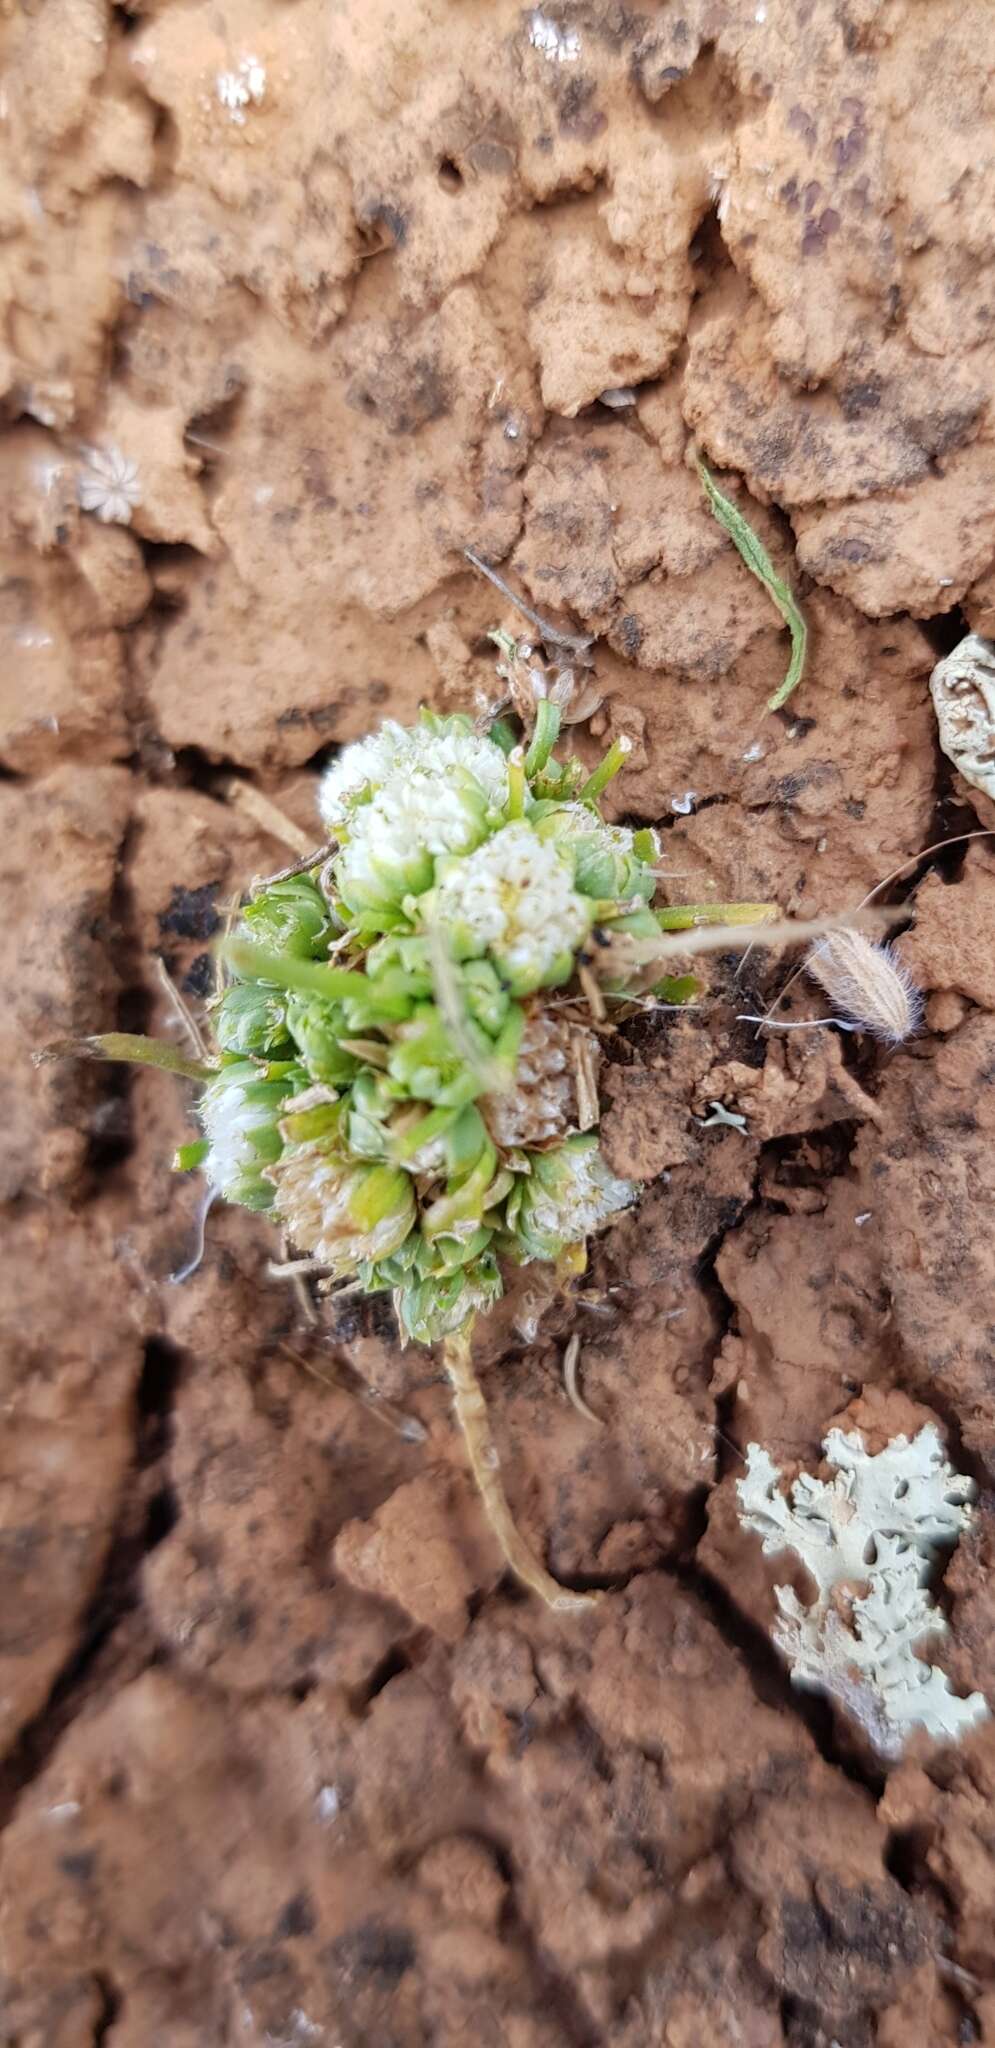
868 984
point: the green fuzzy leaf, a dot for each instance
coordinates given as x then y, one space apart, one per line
751 548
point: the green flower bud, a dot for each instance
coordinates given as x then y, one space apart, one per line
316 1028
569 1193
345 1215
429 1310
487 1002
605 861
240 1110
514 900
290 917
424 1064
370 1108
250 1019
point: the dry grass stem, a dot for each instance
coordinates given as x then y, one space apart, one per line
186 1017
246 797
571 1362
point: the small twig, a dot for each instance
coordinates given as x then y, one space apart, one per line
199 441
956 1974
624 951
220 974
593 992
288 1269
471 1414
576 643
302 1293
317 856
392 1417
187 1019
246 797
793 1024
571 1361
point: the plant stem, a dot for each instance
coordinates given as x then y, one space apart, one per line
516 784
616 757
544 738
471 1414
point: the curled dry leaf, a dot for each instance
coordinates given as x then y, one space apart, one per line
963 689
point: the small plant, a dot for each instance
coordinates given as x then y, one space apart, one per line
871 1537
405 1058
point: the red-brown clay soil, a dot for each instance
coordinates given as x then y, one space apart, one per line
287 1762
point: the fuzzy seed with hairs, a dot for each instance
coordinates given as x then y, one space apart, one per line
869 985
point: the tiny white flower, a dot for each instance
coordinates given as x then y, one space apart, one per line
239 1110
515 898
239 89
108 485
559 45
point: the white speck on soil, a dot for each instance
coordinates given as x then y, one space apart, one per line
560 45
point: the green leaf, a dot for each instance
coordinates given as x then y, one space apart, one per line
131 1049
187 1158
683 917
677 988
749 545
544 738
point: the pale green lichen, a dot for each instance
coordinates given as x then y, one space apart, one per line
871 1538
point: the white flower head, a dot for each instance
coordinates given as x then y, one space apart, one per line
393 841
241 88
228 1118
108 485
239 1112
570 1192
515 899
559 45
344 1215
365 766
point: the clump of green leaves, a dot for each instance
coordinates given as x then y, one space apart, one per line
378 1006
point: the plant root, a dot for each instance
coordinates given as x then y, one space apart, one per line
471 1414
